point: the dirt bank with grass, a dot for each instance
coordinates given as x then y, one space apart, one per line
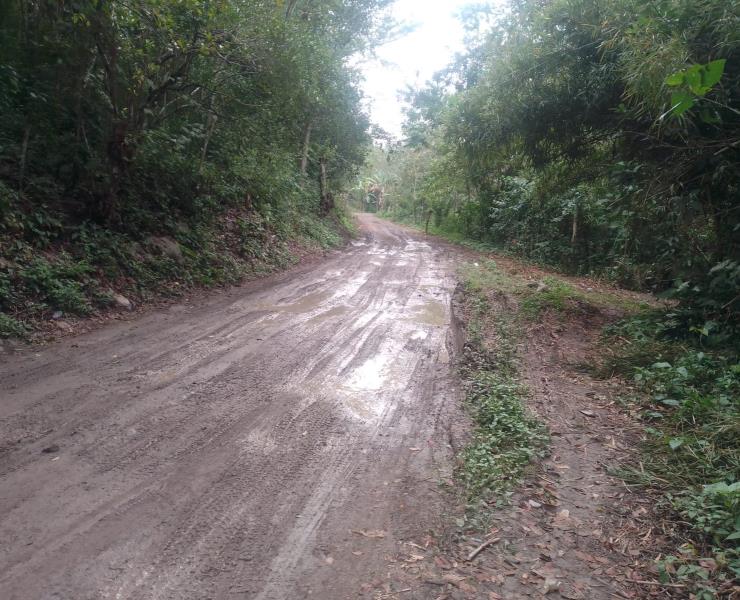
57 280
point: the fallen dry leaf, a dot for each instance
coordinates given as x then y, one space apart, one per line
453 578
370 533
551 585
414 558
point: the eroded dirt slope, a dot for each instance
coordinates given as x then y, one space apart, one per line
277 441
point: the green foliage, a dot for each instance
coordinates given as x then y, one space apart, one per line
506 438
697 80
10 327
59 284
689 398
597 137
121 120
697 401
709 307
715 511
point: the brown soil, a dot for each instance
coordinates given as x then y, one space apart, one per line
287 438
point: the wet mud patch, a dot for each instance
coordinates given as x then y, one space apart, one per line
304 304
431 313
327 315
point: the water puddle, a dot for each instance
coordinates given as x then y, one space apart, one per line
362 392
431 313
369 376
332 312
305 304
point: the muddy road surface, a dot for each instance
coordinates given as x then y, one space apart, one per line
276 441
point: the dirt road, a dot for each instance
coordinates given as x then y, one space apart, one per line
279 440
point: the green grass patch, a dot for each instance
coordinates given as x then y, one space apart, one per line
555 295
11 327
486 276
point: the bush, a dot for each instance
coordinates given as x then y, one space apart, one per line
59 284
10 327
691 402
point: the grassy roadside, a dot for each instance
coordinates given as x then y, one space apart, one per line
683 393
51 275
498 304
687 398
506 438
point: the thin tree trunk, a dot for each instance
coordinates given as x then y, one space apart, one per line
306 144
322 175
574 229
24 154
413 190
327 201
212 118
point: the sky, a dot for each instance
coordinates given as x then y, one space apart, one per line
412 59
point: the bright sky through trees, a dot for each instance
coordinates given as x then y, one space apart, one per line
414 58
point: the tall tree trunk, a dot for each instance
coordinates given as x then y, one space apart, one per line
306 144
118 154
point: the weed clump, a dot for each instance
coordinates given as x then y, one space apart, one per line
506 438
688 396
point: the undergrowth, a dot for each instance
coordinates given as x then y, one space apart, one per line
55 270
688 397
506 437
686 382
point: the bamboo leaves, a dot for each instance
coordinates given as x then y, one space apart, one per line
693 83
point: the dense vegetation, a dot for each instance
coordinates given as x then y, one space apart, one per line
603 138
599 137
152 143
